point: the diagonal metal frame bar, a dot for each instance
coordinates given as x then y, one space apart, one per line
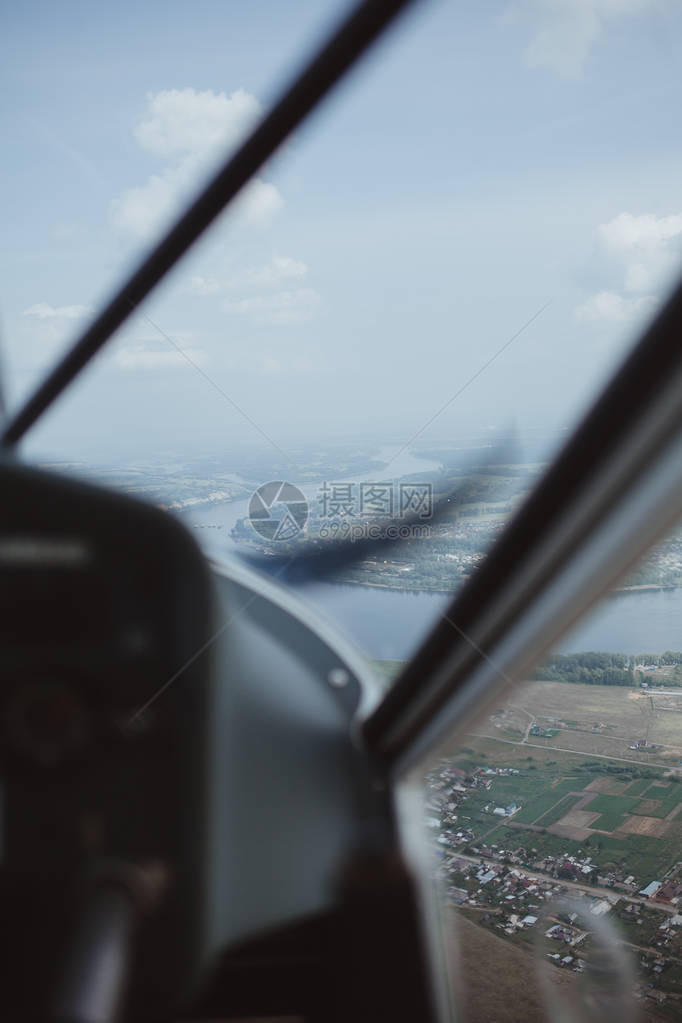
355 34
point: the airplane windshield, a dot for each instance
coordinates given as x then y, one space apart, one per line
384 340
551 823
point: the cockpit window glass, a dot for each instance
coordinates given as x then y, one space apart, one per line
551 827
387 338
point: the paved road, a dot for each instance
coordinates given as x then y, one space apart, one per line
575 752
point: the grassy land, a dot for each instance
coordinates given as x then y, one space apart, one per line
643 933
606 720
555 814
544 842
647 858
608 821
537 808
673 979
612 804
636 788
574 783
668 799
495 979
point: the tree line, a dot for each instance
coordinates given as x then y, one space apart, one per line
669 657
589 668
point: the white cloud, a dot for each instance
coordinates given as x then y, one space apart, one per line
134 357
280 268
189 130
649 247
564 31
44 311
272 274
259 201
285 307
182 122
610 307
645 250
141 211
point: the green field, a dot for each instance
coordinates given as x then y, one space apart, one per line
543 842
556 813
519 786
668 800
608 821
636 788
574 784
612 804
644 857
534 809
543 790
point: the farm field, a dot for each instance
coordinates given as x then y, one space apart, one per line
556 812
626 817
636 788
600 720
617 788
613 804
539 808
658 801
645 857
608 821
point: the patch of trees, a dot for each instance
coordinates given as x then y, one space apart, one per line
626 773
669 657
589 668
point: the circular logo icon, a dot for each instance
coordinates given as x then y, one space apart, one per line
278 510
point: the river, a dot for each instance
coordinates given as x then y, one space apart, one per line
225 515
389 624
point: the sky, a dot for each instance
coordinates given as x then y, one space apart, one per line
470 233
